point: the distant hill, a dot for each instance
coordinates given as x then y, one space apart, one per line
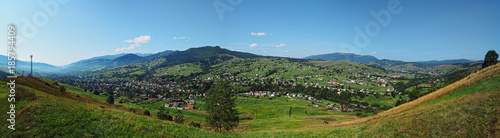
449 61
400 65
100 57
109 61
206 54
128 59
26 65
159 54
103 63
201 54
344 57
391 64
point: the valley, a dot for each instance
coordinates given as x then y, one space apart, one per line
250 69
273 94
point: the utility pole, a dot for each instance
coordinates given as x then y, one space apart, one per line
31 56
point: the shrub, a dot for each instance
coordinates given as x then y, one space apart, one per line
110 99
194 124
146 112
358 114
164 115
62 88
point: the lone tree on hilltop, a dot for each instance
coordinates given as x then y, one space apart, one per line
491 58
221 107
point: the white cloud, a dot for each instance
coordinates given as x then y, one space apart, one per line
253 45
141 39
286 51
137 41
175 38
258 34
128 41
373 53
280 45
458 55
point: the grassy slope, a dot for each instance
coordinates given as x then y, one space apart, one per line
58 115
472 109
463 109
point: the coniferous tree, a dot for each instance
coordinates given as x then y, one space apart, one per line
220 105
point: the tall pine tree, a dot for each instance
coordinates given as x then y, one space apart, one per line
221 107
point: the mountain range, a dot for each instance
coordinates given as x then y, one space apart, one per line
390 64
368 58
344 57
91 64
195 54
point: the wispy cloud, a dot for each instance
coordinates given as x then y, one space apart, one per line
258 34
137 41
253 45
280 45
184 37
373 53
401 51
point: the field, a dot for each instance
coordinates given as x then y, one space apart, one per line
273 115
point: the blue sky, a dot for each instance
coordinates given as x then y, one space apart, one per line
417 30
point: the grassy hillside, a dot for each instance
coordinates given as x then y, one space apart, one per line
466 108
58 114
